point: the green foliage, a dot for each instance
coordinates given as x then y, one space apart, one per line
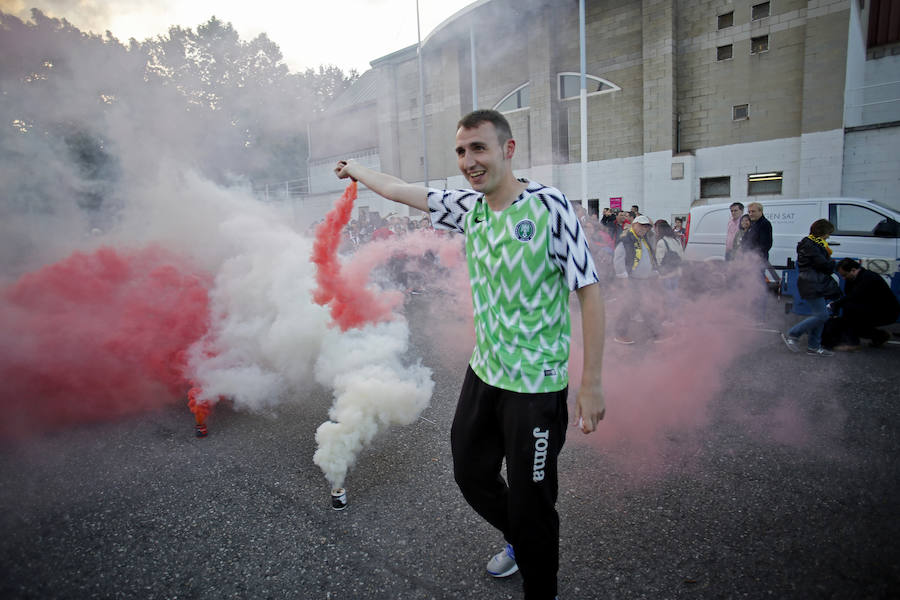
228 106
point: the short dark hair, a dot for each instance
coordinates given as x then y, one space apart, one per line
679 220
821 227
477 117
848 264
738 204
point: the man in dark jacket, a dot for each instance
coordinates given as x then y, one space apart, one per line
759 237
867 304
758 241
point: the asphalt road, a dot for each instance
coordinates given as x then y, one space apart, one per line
140 508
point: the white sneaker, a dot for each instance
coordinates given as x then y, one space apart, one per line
503 564
790 342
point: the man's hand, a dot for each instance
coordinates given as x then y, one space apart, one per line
589 404
342 170
590 407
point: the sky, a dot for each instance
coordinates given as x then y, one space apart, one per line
309 33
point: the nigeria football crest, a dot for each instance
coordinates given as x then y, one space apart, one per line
524 230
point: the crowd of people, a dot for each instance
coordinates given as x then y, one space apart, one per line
371 226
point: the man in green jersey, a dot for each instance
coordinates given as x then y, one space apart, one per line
526 251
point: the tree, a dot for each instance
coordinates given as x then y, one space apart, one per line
203 98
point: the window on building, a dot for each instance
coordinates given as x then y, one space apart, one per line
759 11
764 184
515 100
759 44
715 187
726 20
724 52
739 112
884 23
570 85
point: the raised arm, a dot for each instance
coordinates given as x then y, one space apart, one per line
590 406
384 185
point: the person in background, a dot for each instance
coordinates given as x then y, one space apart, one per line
635 210
758 239
513 403
382 229
669 254
816 286
867 304
737 210
580 212
678 230
620 226
607 219
757 242
635 266
744 226
601 249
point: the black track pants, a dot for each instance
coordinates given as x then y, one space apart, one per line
528 430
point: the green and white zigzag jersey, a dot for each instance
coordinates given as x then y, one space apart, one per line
523 264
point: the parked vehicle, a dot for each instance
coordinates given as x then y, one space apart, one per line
864 229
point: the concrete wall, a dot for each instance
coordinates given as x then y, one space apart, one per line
872 165
662 54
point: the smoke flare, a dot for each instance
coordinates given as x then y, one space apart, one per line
352 303
97 336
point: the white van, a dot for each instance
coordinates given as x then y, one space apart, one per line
863 229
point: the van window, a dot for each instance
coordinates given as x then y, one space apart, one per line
850 219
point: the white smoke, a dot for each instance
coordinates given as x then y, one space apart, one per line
373 391
265 332
267 337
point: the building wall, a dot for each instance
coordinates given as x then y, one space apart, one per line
614 47
872 164
770 82
671 123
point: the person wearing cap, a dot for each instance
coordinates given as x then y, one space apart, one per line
635 265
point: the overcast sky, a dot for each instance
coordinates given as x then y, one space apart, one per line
308 32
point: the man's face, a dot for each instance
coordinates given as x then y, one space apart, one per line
640 229
736 213
755 213
620 217
849 275
481 158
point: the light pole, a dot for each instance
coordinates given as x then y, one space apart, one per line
422 96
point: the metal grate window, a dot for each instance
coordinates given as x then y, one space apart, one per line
740 112
759 11
726 20
884 23
715 187
759 44
724 52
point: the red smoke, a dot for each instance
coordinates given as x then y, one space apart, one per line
659 396
352 303
97 336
